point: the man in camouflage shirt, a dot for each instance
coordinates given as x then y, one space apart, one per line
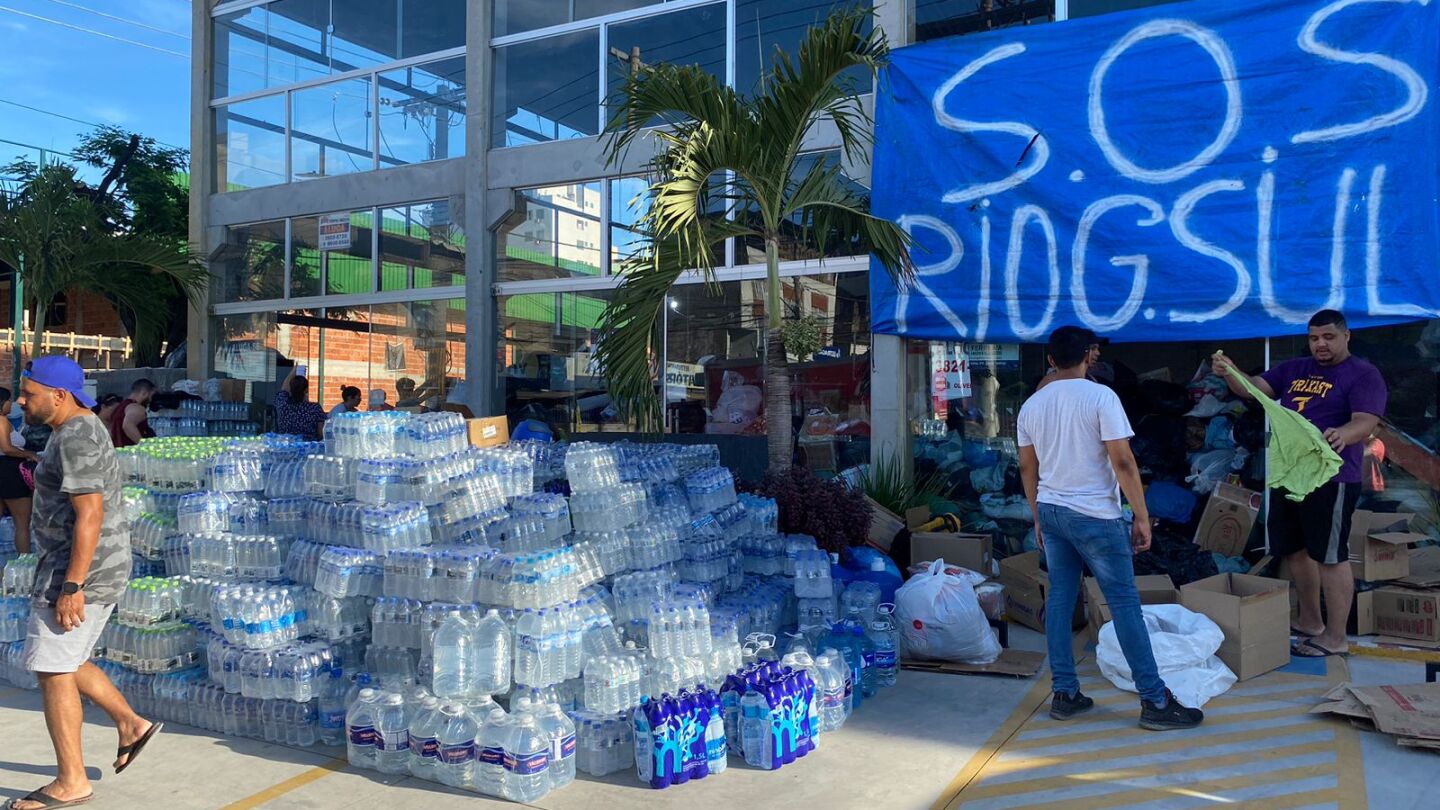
78 528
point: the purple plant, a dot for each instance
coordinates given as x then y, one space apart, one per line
828 510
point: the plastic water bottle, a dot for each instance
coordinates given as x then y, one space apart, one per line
455 659
425 728
559 730
491 776
886 660
869 675
831 684
392 736
716 751
458 729
491 642
527 761
360 730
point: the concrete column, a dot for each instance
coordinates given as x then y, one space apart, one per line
480 329
889 422
200 340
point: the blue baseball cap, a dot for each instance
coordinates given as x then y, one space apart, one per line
60 372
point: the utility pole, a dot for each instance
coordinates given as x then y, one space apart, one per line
17 316
631 59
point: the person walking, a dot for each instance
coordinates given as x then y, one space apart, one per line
1075 459
80 532
15 491
129 423
1344 397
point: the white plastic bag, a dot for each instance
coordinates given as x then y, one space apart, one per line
1184 643
940 618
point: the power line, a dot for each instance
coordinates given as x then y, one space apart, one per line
84 30
88 10
72 118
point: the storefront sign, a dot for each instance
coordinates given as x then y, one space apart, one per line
1201 171
950 370
335 232
993 354
681 379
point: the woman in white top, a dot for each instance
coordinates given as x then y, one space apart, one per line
349 400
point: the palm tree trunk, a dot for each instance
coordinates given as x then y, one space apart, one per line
37 329
778 429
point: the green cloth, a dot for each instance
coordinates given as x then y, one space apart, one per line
1300 460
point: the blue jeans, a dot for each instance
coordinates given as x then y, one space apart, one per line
1073 540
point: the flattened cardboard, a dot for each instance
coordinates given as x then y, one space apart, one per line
1253 612
1228 518
1407 613
1155 589
1025 589
1408 710
489 431
884 525
971 551
1011 663
1392 641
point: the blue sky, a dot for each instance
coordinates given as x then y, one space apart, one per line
132 72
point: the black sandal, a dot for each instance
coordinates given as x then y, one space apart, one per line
131 751
47 801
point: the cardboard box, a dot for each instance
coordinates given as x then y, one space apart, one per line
1155 589
232 390
1254 613
1362 614
884 525
489 431
1379 545
1229 516
1407 613
971 551
1026 587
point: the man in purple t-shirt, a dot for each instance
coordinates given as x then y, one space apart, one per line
1344 397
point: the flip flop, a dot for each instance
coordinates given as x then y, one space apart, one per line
1309 644
133 749
47 801
1297 632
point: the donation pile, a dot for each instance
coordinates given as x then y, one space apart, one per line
492 619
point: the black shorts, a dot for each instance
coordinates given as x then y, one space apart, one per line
12 486
1319 525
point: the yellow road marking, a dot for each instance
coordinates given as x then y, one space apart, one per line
1396 653
1208 789
293 783
1347 747
1129 733
1289 800
1137 771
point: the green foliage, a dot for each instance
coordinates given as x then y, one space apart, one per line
801 336
891 485
709 132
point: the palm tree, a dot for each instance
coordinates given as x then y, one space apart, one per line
710 134
57 241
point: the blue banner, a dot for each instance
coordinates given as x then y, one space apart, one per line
1198 170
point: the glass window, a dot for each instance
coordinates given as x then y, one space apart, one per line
251 265
714 345
547 90
331 130
304 257
546 351
948 18
250 144
553 232
693 37
798 239
290 41
761 26
519 16
421 247
628 204
346 255
1090 8
415 353
422 113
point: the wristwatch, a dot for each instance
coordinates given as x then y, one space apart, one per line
71 587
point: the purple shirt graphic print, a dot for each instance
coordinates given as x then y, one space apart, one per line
1329 396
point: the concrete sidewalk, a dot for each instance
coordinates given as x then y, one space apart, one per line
914 746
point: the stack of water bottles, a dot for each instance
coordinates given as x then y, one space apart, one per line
16 590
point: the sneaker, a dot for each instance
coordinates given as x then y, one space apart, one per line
1169 716
1064 707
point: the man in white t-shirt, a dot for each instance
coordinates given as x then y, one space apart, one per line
1075 459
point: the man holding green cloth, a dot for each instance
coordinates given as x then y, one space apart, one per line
1344 397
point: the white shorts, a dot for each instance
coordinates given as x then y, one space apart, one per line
49 648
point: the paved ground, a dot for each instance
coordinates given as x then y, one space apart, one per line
933 741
